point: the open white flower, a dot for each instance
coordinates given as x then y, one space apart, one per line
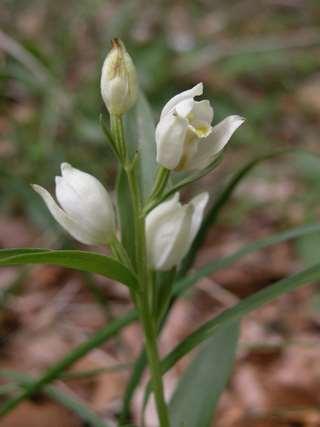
184 136
86 210
171 228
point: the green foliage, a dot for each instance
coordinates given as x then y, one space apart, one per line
201 385
70 401
241 309
55 80
56 370
79 260
145 140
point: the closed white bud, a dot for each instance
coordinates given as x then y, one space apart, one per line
119 82
184 136
171 228
85 210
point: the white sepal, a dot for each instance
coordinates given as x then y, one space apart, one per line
197 90
170 136
85 210
170 230
209 147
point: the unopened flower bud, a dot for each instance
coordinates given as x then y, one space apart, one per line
85 210
119 83
171 228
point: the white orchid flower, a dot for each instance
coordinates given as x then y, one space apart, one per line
184 136
119 82
85 210
171 228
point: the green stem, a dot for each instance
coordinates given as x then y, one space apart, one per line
143 300
118 135
160 183
120 253
144 307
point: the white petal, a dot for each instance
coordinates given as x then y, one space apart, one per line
209 147
167 207
76 230
184 108
167 236
191 93
180 239
85 199
202 111
199 204
170 137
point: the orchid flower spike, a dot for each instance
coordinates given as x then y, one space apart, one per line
184 136
85 210
119 82
171 228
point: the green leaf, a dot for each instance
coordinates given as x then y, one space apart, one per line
182 285
197 394
308 248
241 309
79 260
137 371
140 134
221 200
56 370
182 183
125 213
69 401
163 292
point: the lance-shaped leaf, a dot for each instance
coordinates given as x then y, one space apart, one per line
198 391
244 307
79 260
140 131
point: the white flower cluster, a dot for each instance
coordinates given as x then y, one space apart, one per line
185 140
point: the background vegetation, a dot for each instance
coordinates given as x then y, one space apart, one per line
259 59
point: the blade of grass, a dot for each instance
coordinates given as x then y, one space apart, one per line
220 202
181 286
133 383
235 313
241 309
56 370
75 404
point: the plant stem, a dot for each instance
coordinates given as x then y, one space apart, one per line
161 180
118 135
144 299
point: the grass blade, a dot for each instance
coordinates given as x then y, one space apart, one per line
241 309
69 401
220 202
56 370
182 285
